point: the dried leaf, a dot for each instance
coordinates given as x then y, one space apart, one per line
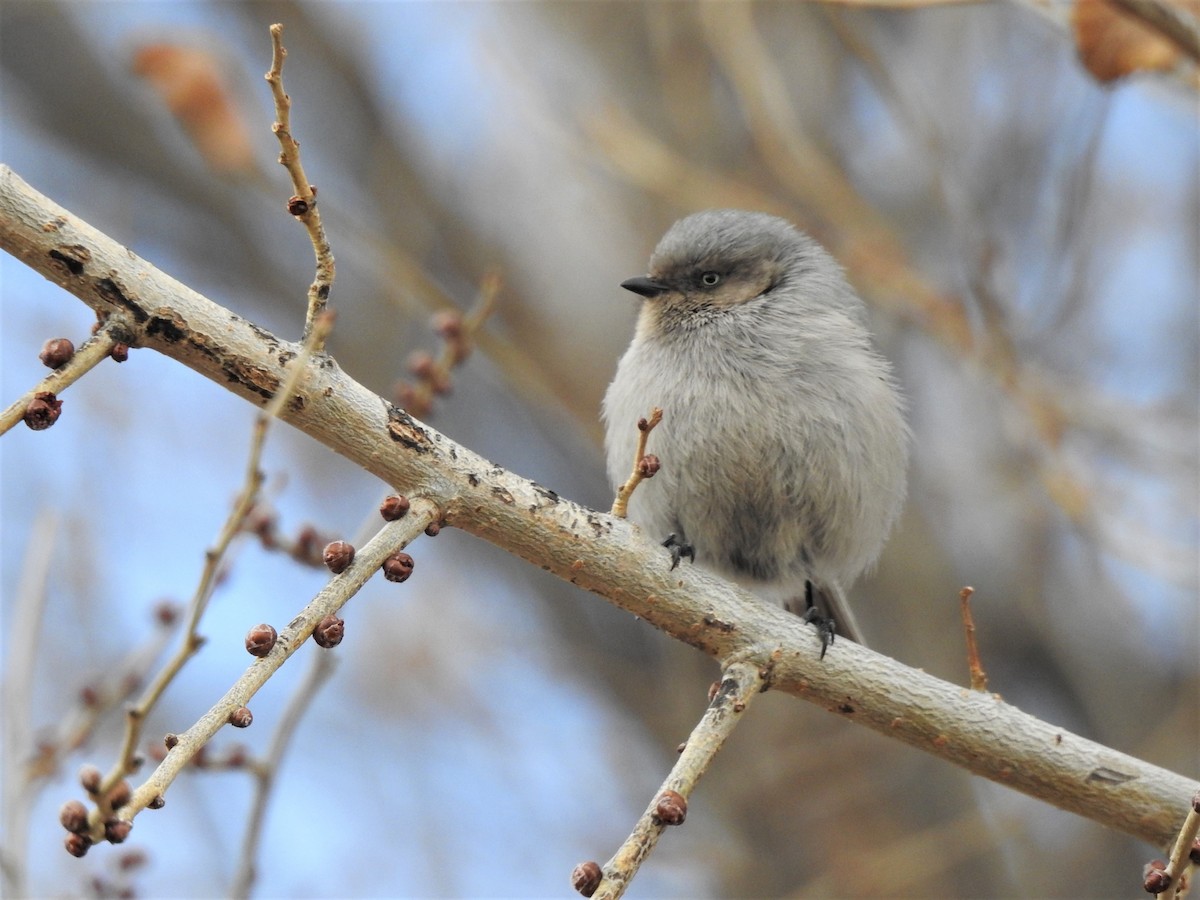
1113 44
190 83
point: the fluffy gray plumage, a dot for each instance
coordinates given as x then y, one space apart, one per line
783 442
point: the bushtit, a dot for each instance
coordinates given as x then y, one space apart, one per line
783 442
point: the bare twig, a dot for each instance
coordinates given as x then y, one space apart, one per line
213 557
339 590
978 675
100 698
303 205
1179 859
17 746
642 468
740 683
94 349
595 551
319 670
458 334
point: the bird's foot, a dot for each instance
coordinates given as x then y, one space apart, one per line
679 548
825 625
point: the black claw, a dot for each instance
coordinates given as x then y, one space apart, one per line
679 549
825 625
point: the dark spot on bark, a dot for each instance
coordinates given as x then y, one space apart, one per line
1106 775
111 292
599 526
404 429
255 379
73 257
546 494
170 331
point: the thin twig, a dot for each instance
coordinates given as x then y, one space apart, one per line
641 470
319 670
246 501
459 334
86 358
17 693
978 675
124 678
303 205
1180 852
339 590
740 683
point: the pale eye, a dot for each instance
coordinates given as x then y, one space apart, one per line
710 278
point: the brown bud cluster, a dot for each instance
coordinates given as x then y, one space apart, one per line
434 376
297 205
119 352
448 324
116 830
398 567
74 817
262 522
42 411
412 399
56 353
329 632
338 555
451 328
308 544
1155 879
131 859
89 778
119 795
260 640
77 845
157 803
394 507
241 717
433 529
671 808
649 465
166 612
171 741
586 877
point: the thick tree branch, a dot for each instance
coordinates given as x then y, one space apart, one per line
593 550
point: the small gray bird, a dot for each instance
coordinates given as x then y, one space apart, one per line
783 442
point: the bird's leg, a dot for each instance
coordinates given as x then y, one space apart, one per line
679 548
825 625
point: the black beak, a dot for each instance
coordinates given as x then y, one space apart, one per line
645 286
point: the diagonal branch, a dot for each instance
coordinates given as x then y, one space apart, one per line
596 551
